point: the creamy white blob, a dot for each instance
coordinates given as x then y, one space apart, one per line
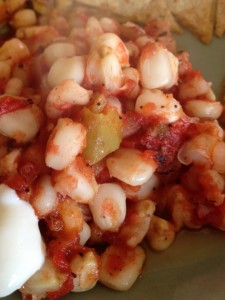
22 249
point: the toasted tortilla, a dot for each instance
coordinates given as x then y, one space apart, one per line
138 11
220 18
195 15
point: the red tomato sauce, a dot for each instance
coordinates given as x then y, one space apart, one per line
11 103
165 141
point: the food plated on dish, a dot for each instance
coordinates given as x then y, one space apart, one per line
110 138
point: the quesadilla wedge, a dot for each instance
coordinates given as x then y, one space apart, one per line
220 18
195 15
138 11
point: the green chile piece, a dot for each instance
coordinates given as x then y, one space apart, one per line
104 134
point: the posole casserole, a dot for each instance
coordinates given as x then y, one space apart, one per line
108 137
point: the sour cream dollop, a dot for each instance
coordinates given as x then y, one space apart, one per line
22 251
